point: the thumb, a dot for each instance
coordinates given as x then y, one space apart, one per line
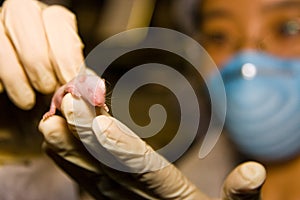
244 182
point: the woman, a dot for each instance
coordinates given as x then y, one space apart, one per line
256 45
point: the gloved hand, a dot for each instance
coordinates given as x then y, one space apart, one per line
152 176
40 48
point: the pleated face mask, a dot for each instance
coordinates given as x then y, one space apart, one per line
263 105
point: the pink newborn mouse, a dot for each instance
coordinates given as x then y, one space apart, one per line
89 87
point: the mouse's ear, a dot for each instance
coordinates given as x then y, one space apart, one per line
102 83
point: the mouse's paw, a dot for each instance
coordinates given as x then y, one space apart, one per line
48 114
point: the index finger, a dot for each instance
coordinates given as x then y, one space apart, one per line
65 44
12 75
24 26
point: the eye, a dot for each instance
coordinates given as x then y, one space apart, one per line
289 28
220 37
216 38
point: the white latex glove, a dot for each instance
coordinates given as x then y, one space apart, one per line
153 177
40 48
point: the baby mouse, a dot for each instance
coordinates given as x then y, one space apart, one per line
89 87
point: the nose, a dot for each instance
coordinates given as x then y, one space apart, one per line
252 38
99 100
252 44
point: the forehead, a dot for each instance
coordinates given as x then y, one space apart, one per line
247 6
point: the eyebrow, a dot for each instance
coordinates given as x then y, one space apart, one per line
282 5
216 13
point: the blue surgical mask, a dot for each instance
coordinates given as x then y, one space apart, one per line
263 105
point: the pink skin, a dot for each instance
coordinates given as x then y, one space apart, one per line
89 87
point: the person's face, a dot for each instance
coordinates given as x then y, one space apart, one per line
230 26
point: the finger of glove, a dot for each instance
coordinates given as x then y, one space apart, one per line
60 139
13 76
68 153
154 175
244 182
24 25
126 145
65 44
